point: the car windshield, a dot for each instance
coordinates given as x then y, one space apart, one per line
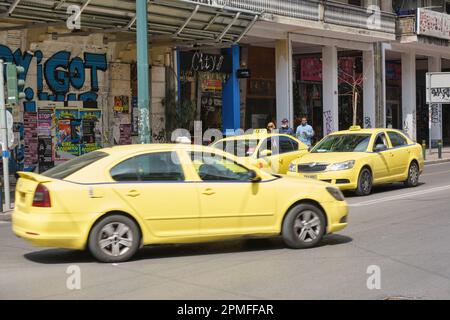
239 148
68 168
343 143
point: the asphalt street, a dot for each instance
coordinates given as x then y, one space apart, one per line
403 233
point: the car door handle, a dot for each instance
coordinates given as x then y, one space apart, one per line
133 193
209 192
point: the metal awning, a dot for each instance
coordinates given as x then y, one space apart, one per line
199 22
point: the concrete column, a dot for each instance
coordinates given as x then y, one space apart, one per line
283 65
369 89
330 90
435 65
144 83
386 6
409 93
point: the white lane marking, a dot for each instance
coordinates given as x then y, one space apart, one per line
400 196
435 173
436 164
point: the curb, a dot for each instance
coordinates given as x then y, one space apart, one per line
439 161
6 216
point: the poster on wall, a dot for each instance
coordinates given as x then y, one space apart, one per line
30 139
44 125
91 124
125 134
68 134
45 153
121 104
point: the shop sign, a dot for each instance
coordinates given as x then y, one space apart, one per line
433 24
311 69
212 85
244 74
438 87
393 71
205 62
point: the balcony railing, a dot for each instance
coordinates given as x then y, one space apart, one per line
314 10
356 17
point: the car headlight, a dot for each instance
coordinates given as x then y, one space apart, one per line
341 166
336 193
292 167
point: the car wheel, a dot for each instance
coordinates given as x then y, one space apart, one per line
365 183
115 238
303 227
413 176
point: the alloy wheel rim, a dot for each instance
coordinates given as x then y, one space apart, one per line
115 239
307 226
366 182
414 174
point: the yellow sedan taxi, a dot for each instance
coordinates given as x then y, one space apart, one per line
115 200
271 152
357 159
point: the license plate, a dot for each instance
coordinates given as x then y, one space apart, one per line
311 177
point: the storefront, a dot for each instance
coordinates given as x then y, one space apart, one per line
209 89
308 90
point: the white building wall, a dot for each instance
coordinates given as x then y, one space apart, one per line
409 93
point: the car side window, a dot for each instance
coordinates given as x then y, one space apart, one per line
279 145
397 139
381 139
211 167
287 145
158 166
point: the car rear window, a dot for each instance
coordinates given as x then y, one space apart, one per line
68 168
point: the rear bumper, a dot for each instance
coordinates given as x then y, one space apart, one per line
53 230
337 214
344 180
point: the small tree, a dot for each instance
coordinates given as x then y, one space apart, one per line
355 82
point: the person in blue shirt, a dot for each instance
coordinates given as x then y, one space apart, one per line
305 132
285 129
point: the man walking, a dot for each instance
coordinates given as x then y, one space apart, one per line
285 129
305 132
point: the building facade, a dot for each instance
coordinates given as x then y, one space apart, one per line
331 61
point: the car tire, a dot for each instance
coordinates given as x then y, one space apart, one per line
304 226
115 238
413 175
365 183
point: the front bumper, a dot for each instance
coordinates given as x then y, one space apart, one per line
49 229
337 215
344 180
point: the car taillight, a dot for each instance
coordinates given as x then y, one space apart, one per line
42 197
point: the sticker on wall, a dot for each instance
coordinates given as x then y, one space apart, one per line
122 104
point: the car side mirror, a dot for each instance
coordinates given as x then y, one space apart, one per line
254 177
380 148
265 153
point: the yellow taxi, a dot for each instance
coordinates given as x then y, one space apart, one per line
115 200
269 151
358 159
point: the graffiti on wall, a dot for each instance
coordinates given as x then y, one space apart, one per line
63 74
328 118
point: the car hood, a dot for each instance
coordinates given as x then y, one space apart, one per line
331 157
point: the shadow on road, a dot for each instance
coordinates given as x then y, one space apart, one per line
383 189
61 256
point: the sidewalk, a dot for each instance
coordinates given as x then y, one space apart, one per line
433 158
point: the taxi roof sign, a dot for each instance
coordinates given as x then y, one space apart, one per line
355 128
260 131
